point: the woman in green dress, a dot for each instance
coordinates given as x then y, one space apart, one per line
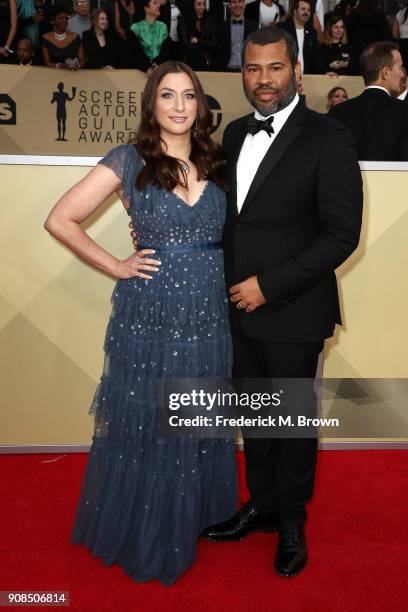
152 36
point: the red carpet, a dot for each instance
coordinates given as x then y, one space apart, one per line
357 535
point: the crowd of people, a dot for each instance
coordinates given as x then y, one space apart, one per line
355 38
205 34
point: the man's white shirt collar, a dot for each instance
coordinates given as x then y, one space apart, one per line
254 149
378 87
280 116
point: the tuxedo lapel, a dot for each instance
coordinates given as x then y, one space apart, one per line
233 159
282 142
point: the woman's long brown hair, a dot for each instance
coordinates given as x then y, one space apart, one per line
161 169
327 38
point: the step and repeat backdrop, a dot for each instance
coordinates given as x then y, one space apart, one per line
94 110
54 308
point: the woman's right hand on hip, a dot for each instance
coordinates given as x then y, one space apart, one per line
137 265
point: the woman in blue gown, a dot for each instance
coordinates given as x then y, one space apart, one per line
146 498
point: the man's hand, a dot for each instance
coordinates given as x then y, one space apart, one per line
247 295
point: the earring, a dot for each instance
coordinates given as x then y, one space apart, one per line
195 127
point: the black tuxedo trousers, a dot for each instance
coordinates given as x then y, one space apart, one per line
300 220
280 472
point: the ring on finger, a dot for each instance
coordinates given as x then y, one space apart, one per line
241 306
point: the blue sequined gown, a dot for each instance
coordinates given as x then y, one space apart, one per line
145 499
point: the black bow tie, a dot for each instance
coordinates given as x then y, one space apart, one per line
237 21
255 125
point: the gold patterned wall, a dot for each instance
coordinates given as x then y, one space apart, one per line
54 308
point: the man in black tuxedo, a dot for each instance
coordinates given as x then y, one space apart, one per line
293 216
231 36
300 26
403 91
376 119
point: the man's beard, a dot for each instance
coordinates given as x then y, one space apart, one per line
269 109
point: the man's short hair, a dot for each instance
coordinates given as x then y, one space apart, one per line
296 3
374 58
26 41
270 35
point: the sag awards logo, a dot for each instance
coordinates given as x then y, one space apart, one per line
215 111
100 116
8 114
103 116
60 98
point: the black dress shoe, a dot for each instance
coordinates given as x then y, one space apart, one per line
291 554
247 520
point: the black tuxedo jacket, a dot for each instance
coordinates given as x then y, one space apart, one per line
300 220
224 39
378 123
313 63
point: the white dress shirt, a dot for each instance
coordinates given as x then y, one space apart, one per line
254 149
175 14
268 14
300 35
319 9
403 95
403 25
